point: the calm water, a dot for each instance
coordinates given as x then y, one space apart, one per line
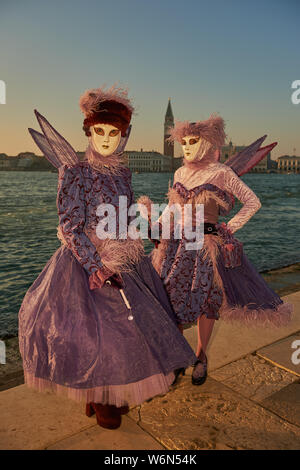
28 221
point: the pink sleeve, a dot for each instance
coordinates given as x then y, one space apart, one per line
234 185
71 213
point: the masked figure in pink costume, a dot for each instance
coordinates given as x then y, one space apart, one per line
216 281
97 324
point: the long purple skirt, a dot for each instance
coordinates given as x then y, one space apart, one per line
80 342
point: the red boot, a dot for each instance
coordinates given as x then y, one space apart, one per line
108 416
124 410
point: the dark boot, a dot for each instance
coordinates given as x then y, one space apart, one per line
199 374
124 410
177 373
108 416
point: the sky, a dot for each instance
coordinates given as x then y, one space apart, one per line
235 58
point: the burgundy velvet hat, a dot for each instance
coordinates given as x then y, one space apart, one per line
106 107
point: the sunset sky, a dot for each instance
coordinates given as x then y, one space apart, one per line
235 58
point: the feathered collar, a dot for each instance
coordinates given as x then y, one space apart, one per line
113 164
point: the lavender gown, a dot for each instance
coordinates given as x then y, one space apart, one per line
79 341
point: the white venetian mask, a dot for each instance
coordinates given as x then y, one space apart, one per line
105 138
194 147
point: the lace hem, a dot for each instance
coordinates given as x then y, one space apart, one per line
131 394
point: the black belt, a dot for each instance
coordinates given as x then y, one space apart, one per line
210 229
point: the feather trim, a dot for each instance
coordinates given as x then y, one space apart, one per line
202 198
205 196
158 255
119 255
90 99
116 255
145 211
278 317
211 130
111 165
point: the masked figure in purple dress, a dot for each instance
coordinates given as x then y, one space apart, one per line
97 324
216 281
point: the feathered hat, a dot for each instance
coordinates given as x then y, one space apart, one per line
212 130
110 106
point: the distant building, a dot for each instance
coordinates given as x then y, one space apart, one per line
229 150
148 162
28 161
24 161
288 164
18 162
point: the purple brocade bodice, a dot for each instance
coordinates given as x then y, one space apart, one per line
81 189
192 193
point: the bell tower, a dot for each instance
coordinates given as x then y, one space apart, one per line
169 122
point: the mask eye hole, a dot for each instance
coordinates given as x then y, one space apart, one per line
183 142
114 132
194 141
99 130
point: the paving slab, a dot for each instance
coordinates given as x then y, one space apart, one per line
286 403
232 341
128 437
284 354
213 416
253 377
32 420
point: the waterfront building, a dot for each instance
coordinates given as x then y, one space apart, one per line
148 161
22 161
229 150
288 164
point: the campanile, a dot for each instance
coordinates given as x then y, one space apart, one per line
169 122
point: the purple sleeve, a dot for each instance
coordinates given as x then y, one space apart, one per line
128 178
71 213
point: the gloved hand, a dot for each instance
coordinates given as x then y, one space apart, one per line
97 278
115 281
105 276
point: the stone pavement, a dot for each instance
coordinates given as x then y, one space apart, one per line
251 400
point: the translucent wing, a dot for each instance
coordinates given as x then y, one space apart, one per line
246 159
43 144
53 145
